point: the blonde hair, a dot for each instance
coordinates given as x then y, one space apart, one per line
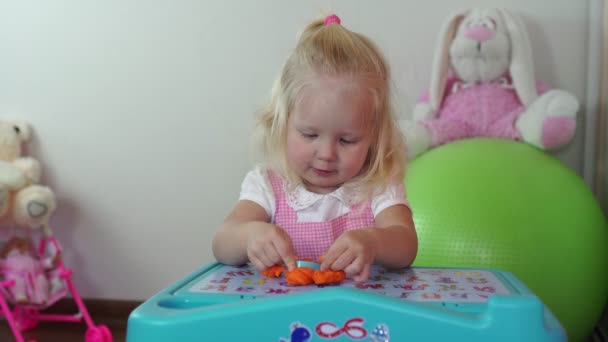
334 50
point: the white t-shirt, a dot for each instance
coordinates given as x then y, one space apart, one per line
310 206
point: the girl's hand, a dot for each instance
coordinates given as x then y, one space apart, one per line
268 245
353 252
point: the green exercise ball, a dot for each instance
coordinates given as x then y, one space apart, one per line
503 204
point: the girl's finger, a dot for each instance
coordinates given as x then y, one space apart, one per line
354 267
332 255
343 260
285 253
265 259
257 263
272 255
364 275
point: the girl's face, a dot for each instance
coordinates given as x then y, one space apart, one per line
329 132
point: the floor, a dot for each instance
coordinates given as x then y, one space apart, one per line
59 332
113 314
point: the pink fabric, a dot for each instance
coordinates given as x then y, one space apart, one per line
480 110
31 283
36 280
313 239
558 130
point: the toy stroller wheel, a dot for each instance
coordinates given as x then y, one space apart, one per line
99 333
24 318
93 334
105 332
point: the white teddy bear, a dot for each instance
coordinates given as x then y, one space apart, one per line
22 200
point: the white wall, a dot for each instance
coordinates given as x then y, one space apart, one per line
143 109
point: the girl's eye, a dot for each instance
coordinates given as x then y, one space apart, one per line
347 141
309 135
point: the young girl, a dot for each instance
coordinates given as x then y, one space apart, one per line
332 184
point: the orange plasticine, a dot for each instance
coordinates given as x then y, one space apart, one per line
328 277
299 276
274 271
305 276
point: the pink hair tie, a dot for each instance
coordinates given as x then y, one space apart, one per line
332 19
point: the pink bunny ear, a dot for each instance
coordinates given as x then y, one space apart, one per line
522 64
441 60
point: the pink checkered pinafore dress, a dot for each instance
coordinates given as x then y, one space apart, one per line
313 239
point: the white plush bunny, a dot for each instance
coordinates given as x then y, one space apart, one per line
483 85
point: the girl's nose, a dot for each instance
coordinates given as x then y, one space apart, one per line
326 151
479 33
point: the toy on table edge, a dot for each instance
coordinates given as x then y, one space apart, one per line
305 273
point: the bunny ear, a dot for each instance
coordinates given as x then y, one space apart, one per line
441 60
522 65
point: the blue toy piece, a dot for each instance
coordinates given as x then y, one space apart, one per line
309 264
225 303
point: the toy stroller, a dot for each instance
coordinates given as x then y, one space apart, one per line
33 276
